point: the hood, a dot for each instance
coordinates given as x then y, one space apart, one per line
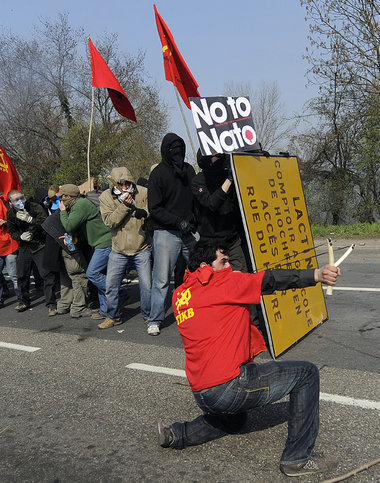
121 173
204 162
40 194
173 150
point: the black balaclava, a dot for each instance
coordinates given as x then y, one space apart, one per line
173 151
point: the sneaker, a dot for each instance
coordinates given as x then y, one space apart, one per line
98 316
84 313
52 311
109 323
164 435
22 306
154 329
317 463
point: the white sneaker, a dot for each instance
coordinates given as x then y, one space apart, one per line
154 329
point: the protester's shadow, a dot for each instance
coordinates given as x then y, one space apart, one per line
266 417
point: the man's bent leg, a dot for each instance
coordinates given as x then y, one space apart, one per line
204 428
299 379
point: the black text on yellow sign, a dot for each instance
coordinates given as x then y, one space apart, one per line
274 212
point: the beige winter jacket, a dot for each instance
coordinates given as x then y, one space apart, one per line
128 235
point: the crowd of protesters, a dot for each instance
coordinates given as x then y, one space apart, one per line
77 245
76 242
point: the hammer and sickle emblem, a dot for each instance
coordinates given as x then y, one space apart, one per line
184 299
3 163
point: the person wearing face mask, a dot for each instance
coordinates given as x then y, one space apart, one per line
8 253
80 217
170 204
216 207
24 219
124 210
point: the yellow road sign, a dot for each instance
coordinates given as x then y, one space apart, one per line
278 231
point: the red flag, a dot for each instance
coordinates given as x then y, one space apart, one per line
176 70
9 179
102 76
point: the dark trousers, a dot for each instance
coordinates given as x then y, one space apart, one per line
24 268
258 385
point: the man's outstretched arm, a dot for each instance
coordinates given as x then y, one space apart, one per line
281 279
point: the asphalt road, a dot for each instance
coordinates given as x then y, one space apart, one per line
73 411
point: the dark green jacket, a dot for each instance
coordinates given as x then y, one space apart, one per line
84 218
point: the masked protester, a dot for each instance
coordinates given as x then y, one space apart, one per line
8 253
170 204
24 220
124 210
80 217
216 207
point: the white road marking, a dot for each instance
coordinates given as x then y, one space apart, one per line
347 401
350 401
161 370
26 348
355 289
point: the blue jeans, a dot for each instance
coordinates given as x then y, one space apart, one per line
167 245
9 261
258 385
96 273
117 266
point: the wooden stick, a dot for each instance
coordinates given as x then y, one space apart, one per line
186 125
89 139
353 472
329 290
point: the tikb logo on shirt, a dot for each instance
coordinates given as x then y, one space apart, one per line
183 300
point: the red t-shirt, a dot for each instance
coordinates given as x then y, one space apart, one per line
212 313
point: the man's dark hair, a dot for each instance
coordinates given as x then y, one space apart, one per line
204 252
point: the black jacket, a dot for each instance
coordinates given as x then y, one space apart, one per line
16 227
217 213
169 192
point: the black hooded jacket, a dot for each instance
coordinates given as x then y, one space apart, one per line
217 213
169 192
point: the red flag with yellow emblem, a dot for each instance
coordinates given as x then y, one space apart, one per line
9 179
176 70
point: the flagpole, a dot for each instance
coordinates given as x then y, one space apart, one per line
89 139
184 120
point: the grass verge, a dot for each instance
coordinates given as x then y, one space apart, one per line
360 230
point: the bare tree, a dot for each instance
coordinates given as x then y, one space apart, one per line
348 30
271 124
45 103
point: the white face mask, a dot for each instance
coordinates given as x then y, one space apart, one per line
130 190
116 191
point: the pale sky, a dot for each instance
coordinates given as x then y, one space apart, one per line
240 40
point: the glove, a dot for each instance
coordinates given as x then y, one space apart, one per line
185 227
24 216
26 236
140 213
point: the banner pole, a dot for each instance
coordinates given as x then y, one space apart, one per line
89 139
186 125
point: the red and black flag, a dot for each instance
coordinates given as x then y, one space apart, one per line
103 77
176 70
